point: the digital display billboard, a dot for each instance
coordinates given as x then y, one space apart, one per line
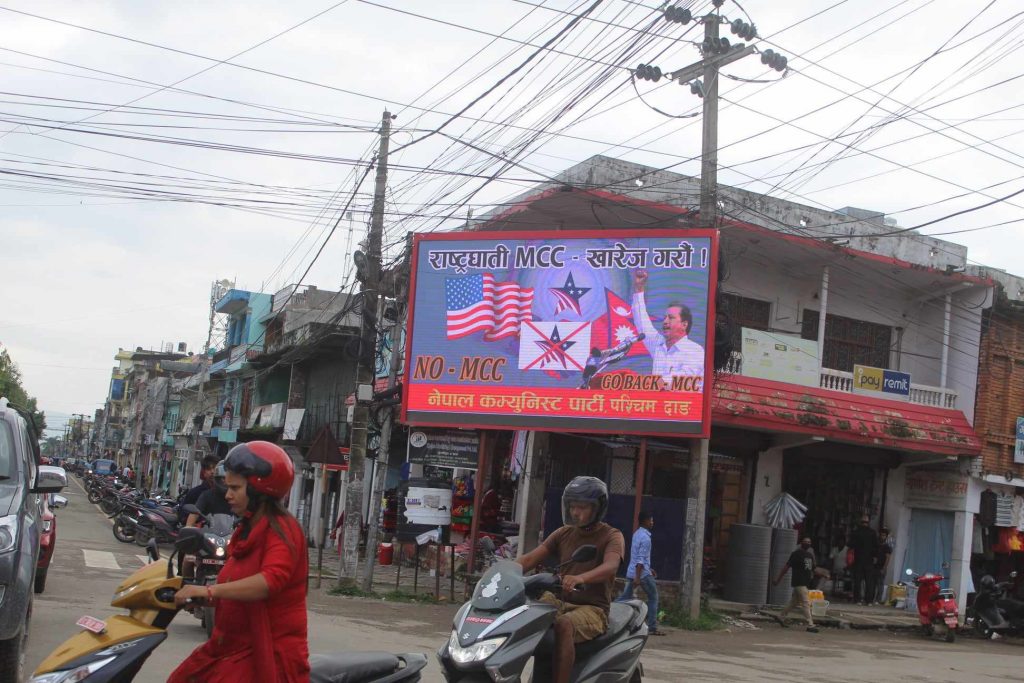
604 331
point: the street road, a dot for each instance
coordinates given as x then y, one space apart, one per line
89 562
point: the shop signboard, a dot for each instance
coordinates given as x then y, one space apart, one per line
117 388
608 331
447 448
1018 447
423 506
780 357
935 490
881 383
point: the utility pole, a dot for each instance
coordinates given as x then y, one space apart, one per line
365 368
702 77
383 451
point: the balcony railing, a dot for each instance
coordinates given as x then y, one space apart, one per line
838 380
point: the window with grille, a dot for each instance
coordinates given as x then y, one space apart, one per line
745 312
850 342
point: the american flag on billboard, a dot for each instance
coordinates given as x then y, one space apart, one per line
476 303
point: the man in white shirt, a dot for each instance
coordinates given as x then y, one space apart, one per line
674 354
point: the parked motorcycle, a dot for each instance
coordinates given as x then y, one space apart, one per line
157 523
994 611
496 633
116 649
126 521
936 607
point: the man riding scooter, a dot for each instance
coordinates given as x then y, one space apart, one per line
212 501
586 587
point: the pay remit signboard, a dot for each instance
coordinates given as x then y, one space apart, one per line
881 383
606 331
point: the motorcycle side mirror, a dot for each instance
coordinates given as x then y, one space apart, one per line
152 550
585 553
910 572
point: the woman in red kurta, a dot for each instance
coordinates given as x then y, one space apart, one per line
260 595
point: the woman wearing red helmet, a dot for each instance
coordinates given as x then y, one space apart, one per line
260 595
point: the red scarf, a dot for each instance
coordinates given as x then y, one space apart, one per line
248 552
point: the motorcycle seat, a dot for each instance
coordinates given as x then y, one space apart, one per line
352 667
621 616
170 517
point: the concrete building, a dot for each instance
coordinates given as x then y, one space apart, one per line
306 372
846 288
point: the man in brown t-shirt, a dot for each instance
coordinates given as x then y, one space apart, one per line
582 614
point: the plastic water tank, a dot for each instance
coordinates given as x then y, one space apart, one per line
749 554
783 545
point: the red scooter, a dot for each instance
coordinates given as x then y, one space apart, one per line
936 606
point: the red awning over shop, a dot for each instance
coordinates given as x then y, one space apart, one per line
838 416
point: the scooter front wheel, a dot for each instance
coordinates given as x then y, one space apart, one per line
927 629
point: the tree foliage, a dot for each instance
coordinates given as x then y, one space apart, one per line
11 387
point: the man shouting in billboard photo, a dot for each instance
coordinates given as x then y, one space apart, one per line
673 353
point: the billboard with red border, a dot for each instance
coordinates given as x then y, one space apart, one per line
605 331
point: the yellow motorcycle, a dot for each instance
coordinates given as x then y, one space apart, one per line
113 651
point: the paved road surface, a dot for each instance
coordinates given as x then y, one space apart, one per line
89 562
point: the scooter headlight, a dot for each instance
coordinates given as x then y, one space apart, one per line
120 594
477 652
68 675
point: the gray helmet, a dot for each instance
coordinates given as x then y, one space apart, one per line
585 490
219 471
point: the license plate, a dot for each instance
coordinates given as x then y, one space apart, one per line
92 624
951 622
207 560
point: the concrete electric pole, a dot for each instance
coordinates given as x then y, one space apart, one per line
702 77
370 291
390 397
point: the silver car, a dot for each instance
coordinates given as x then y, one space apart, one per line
22 479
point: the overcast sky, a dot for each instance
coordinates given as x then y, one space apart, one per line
135 175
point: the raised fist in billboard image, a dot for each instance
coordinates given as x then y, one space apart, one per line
673 353
639 281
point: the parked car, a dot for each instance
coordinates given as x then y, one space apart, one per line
103 467
47 537
21 479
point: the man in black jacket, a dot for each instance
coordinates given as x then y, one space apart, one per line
864 543
205 484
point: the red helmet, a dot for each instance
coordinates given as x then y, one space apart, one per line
267 467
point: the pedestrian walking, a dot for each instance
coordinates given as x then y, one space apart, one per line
882 556
640 573
864 543
801 564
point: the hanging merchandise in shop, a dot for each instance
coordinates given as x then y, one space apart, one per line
608 331
784 511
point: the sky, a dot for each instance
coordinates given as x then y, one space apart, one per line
149 149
